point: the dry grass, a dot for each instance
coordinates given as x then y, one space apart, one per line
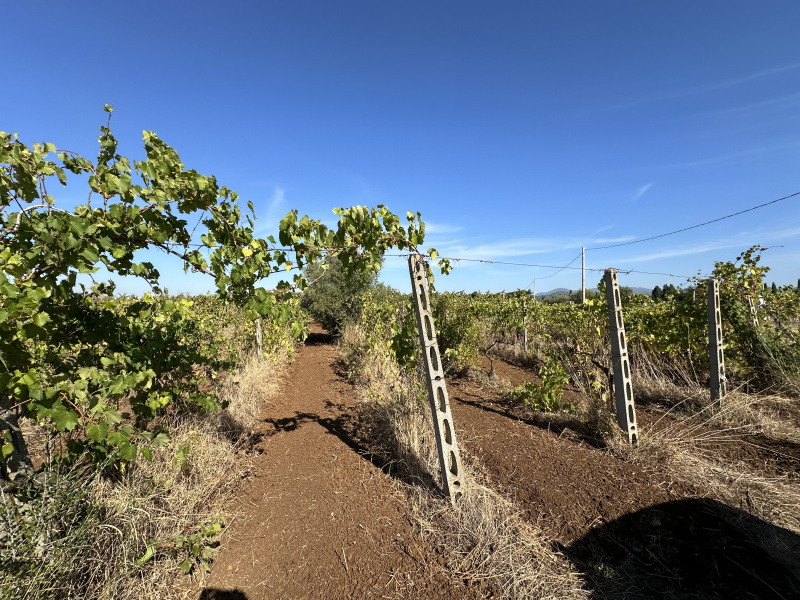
488 542
516 355
679 442
485 540
185 488
248 392
160 501
655 387
689 409
775 501
758 414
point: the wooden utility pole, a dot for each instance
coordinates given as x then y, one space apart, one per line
525 327
583 275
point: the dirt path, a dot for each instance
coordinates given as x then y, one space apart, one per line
320 520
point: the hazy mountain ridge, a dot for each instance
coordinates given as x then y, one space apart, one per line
565 291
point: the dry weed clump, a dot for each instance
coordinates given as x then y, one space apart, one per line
488 543
680 444
665 379
128 536
158 504
695 418
652 386
247 392
758 414
484 539
515 354
775 501
374 372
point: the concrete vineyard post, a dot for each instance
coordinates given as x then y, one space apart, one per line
716 360
18 465
259 338
445 432
752 307
623 389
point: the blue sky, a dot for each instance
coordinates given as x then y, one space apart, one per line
521 130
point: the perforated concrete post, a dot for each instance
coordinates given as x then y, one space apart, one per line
752 307
445 433
716 360
623 390
259 338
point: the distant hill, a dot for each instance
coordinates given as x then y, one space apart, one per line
641 290
565 292
555 292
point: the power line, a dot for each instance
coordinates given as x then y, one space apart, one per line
655 237
562 268
493 262
556 273
502 262
516 264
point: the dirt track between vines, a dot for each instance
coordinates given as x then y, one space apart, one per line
320 520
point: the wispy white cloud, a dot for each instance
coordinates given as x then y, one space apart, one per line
750 77
684 251
441 228
642 191
746 238
519 248
500 250
776 235
602 229
787 101
711 87
274 212
616 240
278 199
732 158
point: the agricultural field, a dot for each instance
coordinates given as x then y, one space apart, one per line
229 446
705 505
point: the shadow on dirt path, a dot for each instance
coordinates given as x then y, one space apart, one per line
354 431
692 548
318 518
213 594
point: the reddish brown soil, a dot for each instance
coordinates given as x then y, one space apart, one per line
320 520
556 478
635 534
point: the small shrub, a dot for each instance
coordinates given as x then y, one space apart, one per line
333 299
458 332
45 529
548 395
